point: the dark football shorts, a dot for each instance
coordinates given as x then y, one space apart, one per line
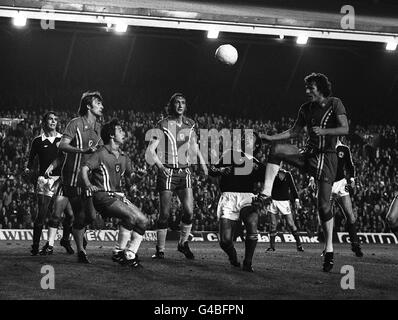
102 200
179 179
322 166
72 192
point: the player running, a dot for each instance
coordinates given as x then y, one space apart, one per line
283 191
236 197
108 165
325 119
176 142
45 147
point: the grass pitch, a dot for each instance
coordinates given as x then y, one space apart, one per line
283 274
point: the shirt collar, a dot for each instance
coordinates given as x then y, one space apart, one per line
51 139
110 150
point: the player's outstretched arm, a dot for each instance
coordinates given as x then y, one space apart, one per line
288 134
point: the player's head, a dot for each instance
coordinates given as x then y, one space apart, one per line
112 130
49 121
91 101
317 85
251 141
177 104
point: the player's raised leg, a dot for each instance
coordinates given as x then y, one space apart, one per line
326 217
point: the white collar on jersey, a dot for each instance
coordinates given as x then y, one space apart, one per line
51 139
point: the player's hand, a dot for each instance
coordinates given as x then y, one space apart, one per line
312 184
166 171
225 171
297 204
261 201
89 150
350 185
205 170
92 188
318 131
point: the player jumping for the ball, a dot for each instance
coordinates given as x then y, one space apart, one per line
176 139
108 165
325 119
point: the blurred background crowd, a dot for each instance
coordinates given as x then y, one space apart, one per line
374 150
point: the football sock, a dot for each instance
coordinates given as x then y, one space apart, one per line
270 173
52 232
66 231
161 234
123 238
352 230
185 232
135 242
272 237
250 247
296 237
37 229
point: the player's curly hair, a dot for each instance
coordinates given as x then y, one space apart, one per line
108 130
321 81
87 99
170 104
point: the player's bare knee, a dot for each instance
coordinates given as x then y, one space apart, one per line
187 218
54 223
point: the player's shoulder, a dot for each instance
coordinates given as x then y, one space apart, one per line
75 122
163 122
188 121
305 106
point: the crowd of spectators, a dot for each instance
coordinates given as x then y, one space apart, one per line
374 150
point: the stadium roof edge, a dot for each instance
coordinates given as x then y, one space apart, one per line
256 18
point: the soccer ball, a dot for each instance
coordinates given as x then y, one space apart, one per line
227 54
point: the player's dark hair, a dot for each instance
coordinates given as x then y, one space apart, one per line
45 117
87 99
257 142
108 130
321 81
170 104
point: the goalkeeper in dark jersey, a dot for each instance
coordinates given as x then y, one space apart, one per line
237 172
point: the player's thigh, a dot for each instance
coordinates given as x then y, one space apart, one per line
290 154
68 208
43 206
392 214
186 198
226 227
119 209
88 207
165 198
60 203
345 204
